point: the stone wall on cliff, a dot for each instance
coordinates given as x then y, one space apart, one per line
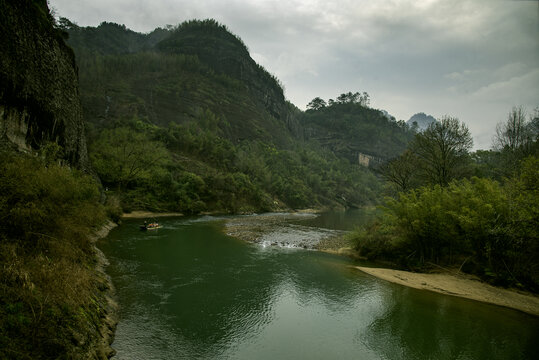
39 94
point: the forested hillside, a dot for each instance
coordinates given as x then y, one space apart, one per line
213 129
348 126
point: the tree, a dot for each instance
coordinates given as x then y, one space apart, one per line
515 139
316 104
65 24
353 98
349 98
344 98
442 150
534 122
512 133
123 155
364 99
400 171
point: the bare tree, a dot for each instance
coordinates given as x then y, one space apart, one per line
442 150
400 171
513 133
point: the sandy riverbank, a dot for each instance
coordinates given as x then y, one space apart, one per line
462 285
147 214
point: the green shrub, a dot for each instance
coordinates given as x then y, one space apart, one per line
491 226
47 212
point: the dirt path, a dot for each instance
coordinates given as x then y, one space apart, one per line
462 285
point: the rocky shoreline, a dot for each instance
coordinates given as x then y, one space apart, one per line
109 308
279 229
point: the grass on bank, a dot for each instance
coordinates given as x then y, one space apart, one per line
49 299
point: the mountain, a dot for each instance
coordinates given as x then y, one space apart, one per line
226 53
197 66
421 120
229 139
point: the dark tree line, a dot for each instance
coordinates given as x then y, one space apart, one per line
362 99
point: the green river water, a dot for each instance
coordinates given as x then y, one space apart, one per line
187 291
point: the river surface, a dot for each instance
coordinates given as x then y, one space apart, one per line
187 291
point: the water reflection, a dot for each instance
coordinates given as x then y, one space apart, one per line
204 291
320 278
188 291
422 325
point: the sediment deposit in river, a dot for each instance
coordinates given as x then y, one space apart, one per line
462 285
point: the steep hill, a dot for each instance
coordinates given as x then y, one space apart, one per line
226 53
349 129
229 141
198 66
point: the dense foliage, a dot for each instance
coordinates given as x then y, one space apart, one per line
189 168
171 129
487 225
48 295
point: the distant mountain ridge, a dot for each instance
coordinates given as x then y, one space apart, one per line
422 120
216 72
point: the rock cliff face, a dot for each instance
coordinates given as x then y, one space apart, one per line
39 96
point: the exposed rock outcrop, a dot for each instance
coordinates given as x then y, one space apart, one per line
39 96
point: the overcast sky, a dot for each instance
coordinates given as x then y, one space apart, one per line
472 59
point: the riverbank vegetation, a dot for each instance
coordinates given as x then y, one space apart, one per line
189 169
476 212
50 294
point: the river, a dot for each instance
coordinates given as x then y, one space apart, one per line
188 291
